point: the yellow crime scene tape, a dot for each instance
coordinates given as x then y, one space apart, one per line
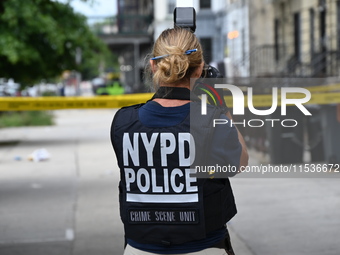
57 103
325 88
320 95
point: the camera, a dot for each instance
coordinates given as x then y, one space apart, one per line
185 17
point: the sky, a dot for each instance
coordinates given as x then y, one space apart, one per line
98 8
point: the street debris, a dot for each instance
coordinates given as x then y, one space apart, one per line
39 155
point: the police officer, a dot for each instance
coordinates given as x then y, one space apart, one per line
166 207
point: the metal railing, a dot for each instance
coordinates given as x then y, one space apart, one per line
271 60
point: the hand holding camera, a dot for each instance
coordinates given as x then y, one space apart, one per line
204 86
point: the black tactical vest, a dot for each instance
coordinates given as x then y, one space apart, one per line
161 200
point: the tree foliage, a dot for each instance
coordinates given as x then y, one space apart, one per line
40 38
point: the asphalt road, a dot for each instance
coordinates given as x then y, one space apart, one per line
68 204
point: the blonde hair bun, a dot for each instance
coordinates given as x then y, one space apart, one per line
173 63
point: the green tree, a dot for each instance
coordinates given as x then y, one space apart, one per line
41 38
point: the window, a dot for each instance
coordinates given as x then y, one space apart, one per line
205 4
311 30
338 24
171 6
207 49
243 34
322 26
297 36
276 39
